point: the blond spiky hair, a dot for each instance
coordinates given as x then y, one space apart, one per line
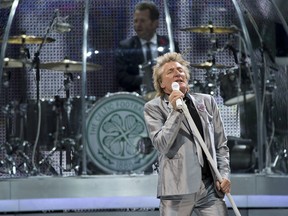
158 69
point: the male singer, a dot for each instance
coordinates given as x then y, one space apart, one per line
186 183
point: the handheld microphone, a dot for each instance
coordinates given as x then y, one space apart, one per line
175 86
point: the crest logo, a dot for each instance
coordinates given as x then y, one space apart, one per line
115 126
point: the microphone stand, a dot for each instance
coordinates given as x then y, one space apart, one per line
36 63
207 153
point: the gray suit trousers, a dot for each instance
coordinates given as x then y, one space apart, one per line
203 203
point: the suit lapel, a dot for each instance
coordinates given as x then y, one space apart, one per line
204 116
185 125
201 108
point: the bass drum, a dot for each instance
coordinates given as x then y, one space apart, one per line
115 131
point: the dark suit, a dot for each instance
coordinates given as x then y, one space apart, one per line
129 56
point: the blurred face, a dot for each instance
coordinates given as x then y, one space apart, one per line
173 72
143 25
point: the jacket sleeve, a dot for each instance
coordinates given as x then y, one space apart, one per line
162 129
220 140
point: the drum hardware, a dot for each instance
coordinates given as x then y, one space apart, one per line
69 145
146 72
66 143
279 155
16 147
59 133
280 164
211 62
36 63
17 144
6 79
196 86
62 142
210 83
270 85
67 132
68 78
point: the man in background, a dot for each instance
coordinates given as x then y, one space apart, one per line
135 56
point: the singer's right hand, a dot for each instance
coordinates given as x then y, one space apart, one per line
175 94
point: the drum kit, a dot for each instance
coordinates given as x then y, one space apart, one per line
235 82
57 120
54 121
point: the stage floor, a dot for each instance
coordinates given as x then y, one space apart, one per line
46 193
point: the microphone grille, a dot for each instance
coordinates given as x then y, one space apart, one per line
175 86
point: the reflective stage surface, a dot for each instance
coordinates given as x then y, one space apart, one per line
252 193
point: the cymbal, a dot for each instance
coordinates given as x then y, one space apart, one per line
25 39
207 65
212 29
15 63
69 66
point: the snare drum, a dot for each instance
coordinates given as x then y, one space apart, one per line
235 91
115 126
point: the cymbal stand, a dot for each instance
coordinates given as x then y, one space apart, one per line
210 76
61 137
68 77
67 142
211 82
59 141
57 107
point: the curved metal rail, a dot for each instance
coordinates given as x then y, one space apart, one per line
5 38
260 126
169 27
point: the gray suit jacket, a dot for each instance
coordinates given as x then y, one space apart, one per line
179 168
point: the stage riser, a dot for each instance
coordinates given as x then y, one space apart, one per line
243 212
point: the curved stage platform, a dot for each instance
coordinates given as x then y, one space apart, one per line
254 194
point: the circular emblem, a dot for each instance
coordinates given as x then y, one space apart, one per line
115 127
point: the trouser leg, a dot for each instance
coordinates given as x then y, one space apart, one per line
210 204
177 206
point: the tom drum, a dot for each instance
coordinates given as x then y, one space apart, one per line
234 90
